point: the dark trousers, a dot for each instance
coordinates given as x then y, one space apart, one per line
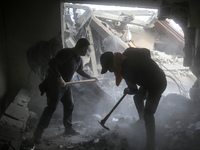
54 95
147 110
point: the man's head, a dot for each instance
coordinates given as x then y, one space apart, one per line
106 60
82 46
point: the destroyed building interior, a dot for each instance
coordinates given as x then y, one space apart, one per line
33 32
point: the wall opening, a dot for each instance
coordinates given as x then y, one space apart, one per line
115 28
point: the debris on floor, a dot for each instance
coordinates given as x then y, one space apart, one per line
177 128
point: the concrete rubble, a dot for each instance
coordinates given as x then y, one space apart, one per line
177 128
14 121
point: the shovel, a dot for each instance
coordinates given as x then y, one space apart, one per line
103 121
85 81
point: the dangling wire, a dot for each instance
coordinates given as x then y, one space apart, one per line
180 87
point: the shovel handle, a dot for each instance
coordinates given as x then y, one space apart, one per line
83 81
108 115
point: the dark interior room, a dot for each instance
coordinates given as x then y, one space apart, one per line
34 32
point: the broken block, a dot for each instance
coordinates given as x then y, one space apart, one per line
17 112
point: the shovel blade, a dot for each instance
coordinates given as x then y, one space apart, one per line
102 124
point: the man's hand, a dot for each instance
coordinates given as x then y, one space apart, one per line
61 82
128 91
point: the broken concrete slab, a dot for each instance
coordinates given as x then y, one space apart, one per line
17 112
22 98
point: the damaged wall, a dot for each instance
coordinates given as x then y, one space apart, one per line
25 24
3 70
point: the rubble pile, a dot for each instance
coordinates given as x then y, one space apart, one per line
177 128
178 123
14 121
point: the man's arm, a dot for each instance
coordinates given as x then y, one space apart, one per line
84 74
131 89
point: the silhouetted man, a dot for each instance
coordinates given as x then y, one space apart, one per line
144 79
61 69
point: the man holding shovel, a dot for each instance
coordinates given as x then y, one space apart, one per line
61 70
137 68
